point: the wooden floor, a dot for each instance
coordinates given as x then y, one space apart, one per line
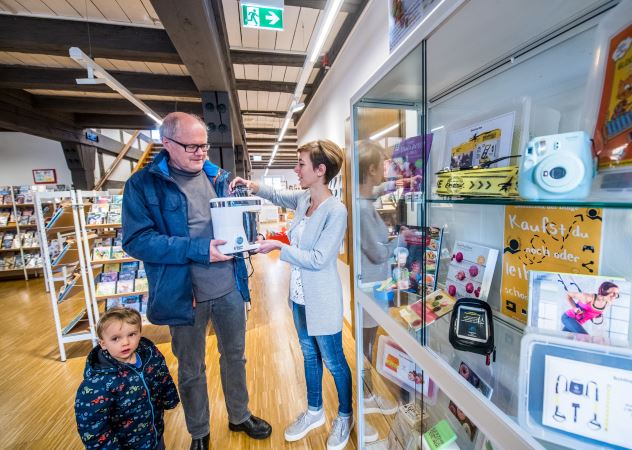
37 390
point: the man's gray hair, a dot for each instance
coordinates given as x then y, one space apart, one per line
171 123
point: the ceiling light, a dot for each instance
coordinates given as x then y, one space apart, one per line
379 134
274 152
331 10
266 174
94 70
298 107
286 124
437 128
256 158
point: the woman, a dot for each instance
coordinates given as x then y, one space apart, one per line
585 307
316 234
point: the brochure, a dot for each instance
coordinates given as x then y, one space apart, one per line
471 270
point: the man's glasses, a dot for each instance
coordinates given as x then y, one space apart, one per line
190 148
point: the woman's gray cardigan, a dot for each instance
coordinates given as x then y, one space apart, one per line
316 256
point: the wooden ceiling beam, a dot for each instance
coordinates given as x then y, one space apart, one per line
117 121
30 77
349 6
241 56
273 131
55 36
95 105
270 86
276 114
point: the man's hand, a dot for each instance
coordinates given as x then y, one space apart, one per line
215 254
268 245
254 187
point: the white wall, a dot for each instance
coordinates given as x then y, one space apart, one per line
365 51
20 153
324 118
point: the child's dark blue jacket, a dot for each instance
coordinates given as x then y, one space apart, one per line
155 230
120 407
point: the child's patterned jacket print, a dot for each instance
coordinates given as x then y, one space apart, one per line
121 407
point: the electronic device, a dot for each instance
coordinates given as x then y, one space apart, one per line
559 166
235 221
472 327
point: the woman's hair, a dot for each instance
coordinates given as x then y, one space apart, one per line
605 287
119 314
370 154
327 153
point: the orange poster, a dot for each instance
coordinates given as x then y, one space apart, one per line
549 239
613 140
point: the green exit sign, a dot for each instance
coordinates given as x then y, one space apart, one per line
265 17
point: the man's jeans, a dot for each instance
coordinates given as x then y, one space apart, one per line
317 349
188 343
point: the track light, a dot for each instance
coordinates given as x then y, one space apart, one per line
98 75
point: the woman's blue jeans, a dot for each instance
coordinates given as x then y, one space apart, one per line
316 349
572 325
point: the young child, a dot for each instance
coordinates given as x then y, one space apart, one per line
126 388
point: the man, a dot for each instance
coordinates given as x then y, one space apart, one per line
167 225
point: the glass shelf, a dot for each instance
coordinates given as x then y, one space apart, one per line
597 203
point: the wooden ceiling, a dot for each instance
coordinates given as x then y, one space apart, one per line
129 39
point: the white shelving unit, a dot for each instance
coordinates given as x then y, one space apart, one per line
66 271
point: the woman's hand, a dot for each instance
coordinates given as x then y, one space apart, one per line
269 245
238 181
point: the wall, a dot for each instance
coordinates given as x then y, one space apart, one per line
20 153
364 52
324 118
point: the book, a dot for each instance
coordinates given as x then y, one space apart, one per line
471 270
129 265
117 199
124 286
132 302
101 253
114 217
127 275
140 273
106 288
141 285
95 218
112 267
108 276
438 304
582 304
117 252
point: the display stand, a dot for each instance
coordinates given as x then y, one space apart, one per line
95 226
19 250
65 269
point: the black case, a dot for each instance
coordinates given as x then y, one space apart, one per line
484 348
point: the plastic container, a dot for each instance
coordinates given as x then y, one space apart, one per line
575 393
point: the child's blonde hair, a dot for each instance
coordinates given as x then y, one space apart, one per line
121 314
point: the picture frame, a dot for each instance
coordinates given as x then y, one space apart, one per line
44 176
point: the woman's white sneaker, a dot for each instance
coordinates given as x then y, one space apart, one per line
305 423
340 432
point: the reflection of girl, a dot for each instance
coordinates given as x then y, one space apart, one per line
585 307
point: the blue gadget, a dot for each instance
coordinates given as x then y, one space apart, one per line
559 166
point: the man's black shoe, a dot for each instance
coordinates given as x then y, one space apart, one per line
201 443
254 427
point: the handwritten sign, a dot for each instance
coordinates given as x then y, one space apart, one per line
546 239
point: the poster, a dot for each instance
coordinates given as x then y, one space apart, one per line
588 400
404 16
614 122
550 239
481 142
582 304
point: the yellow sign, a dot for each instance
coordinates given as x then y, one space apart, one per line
548 239
497 182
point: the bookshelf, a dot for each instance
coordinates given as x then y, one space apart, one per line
116 279
19 247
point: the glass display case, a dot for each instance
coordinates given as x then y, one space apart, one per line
492 293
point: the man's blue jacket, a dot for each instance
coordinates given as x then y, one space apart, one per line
155 231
